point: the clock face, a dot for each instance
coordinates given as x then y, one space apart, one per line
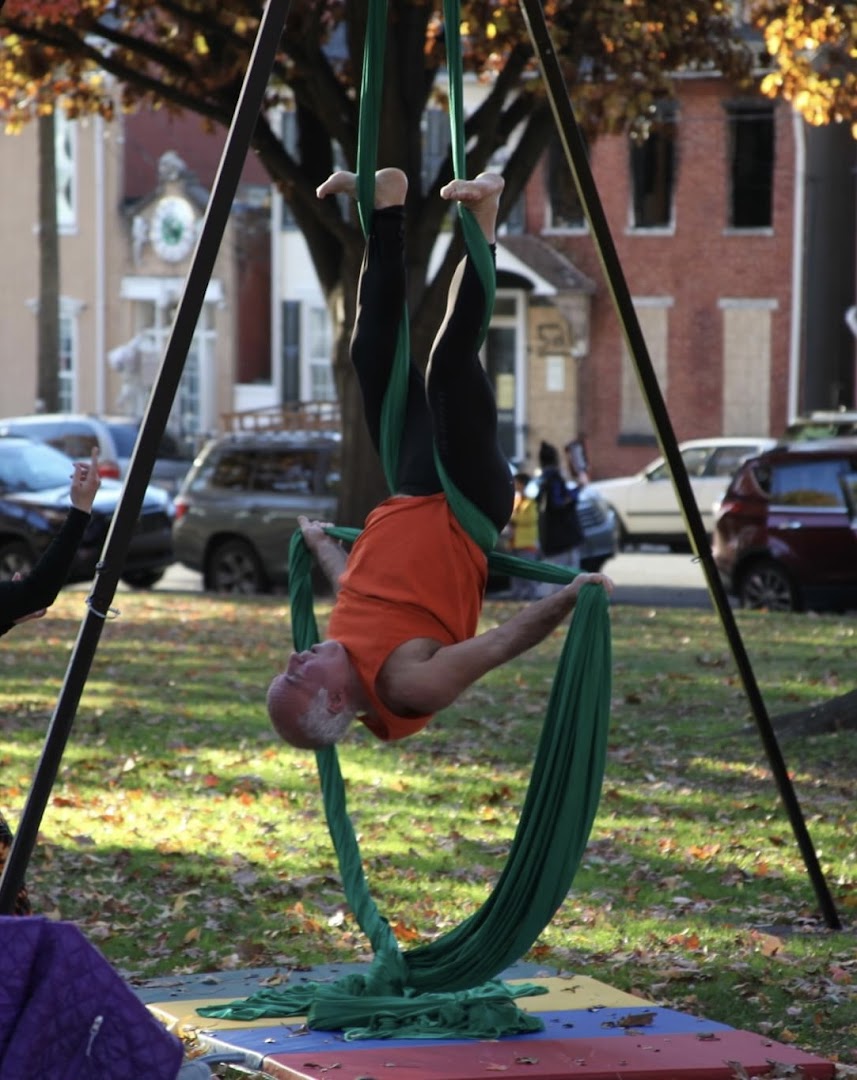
173 228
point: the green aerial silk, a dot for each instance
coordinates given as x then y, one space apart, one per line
448 988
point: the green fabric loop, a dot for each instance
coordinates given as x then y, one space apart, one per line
556 819
371 98
475 523
486 1012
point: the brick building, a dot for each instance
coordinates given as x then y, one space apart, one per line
702 216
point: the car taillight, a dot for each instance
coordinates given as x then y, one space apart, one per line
108 470
180 507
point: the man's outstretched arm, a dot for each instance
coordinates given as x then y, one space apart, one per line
429 684
326 551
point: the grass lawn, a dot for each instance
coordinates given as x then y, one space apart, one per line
181 837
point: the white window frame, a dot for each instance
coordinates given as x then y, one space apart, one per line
517 321
318 334
66 150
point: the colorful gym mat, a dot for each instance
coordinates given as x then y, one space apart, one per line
592 1032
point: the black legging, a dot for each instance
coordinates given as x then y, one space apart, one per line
453 407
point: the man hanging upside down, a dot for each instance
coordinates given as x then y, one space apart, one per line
402 641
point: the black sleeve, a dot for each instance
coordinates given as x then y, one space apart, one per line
558 493
40 587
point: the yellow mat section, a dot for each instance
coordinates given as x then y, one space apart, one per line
579 992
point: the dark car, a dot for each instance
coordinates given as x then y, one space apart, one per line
785 535
34 502
240 502
115 436
239 505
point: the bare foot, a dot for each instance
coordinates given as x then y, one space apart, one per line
391 187
338 183
481 196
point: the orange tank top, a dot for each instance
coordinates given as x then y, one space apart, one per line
412 573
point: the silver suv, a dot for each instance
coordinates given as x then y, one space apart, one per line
239 505
115 436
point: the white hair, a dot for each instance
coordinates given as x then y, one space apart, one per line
314 729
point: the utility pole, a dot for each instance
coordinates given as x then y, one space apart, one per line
48 325
830 281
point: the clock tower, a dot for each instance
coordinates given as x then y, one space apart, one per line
168 225
172 228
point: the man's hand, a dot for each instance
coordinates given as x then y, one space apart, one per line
326 551
575 586
314 534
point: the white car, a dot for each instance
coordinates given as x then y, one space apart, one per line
646 504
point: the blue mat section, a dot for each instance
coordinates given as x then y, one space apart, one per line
288 1038
231 985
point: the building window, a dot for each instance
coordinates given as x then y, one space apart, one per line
65 139
566 209
291 350
67 358
653 317
653 153
740 12
751 165
289 136
436 139
747 352
504 363
320 337
190 415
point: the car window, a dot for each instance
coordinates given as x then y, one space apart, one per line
70 437
124 436
77 444
695 459
660 473
286 472
726 459
230 470
809 483
332 478
33 467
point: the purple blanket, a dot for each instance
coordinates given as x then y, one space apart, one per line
65 1014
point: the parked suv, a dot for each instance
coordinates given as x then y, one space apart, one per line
239 505
34 502
785 535
115 436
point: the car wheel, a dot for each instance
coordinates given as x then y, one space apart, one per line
766 585
15 558
142 579
622 538
234 567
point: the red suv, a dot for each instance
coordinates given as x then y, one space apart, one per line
785 535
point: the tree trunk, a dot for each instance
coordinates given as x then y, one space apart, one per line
48 329
838 714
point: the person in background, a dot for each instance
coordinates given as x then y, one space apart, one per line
28 597
560 533
524 535
577 458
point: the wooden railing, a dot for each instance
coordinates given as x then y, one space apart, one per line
297 416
